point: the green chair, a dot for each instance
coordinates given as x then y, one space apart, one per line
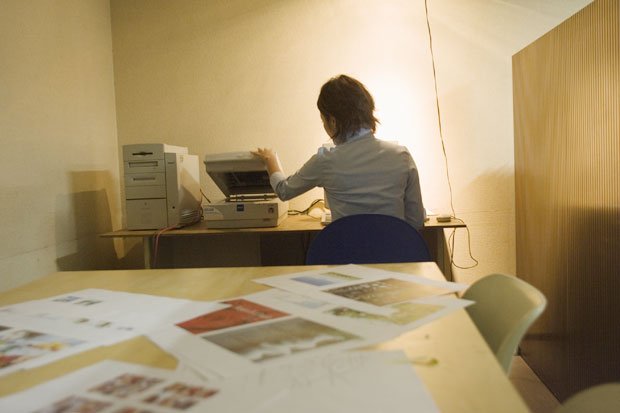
505 308
603 398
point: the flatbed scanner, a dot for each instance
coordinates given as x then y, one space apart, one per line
250 201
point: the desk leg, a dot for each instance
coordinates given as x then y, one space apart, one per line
436 242
147 246
443 255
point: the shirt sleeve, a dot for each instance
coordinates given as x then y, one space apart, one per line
414 208
306 178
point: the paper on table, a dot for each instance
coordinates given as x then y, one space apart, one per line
362 288
373 327
41 331
271 326
363 382
248 334
112 310
23 345
116 387
352 381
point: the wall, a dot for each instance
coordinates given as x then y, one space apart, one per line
567 159
474 42
58 162
219 76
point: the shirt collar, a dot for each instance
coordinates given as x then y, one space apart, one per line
360 133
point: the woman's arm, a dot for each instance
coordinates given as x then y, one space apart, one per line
306 178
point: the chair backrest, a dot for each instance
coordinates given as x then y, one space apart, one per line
367 239
603 398
505 308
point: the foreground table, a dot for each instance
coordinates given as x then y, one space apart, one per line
465 378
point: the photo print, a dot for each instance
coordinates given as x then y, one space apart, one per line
239 313
76 404
279 338
325 278
180 396
18 346
405 313
386 291
126 385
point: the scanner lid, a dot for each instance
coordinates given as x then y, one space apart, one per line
239 174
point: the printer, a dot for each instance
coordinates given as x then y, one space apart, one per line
162 186
250 201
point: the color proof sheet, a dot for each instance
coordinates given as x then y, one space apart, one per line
362 288
248 335
273 326
348 381
36 332
374 327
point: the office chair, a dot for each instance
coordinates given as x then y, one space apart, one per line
603 398
367 239
505 308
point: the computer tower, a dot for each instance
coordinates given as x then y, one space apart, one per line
162 186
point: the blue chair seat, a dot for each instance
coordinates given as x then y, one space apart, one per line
367 239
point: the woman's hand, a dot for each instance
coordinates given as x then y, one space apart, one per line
264 153
270 157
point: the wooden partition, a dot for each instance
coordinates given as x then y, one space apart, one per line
567 160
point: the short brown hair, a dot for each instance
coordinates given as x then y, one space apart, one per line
347 101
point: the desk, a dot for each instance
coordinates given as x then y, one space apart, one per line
467 377
303 227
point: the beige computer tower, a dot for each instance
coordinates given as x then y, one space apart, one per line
162 186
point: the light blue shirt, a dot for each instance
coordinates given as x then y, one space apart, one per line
363 175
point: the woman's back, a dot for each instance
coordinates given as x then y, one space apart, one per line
368 175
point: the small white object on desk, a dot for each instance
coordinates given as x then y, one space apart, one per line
444 218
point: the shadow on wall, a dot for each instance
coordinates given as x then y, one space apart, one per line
81 217
487 206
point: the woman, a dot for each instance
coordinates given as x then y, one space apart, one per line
361 174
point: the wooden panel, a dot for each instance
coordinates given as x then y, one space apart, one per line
567 157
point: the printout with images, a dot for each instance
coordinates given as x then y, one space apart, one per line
363 382
23 346
116 387
36 332
362 288
248 334
373 327
273 326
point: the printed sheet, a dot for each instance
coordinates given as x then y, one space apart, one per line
363 382
36 332
363 288
273 326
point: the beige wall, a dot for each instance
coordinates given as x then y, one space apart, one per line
222 76
58 158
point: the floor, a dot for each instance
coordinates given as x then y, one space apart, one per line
538 398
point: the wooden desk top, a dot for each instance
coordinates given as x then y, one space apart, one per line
466 378
293 223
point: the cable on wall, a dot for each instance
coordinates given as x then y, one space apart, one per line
445 156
